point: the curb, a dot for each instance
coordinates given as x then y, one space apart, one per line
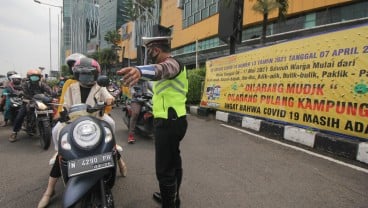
351 149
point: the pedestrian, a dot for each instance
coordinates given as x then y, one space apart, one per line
169 97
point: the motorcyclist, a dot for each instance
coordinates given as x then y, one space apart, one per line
30 88
3 97
12 89
114 90
70 61
84 90
9 74
59 86
136 105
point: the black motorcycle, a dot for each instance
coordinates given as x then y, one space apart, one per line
88 157
144 125
39 118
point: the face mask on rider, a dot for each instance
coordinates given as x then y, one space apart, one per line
34 78
16 81
86 80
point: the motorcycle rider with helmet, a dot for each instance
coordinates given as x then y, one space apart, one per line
13 88
30 88
84 90
9 74
3 98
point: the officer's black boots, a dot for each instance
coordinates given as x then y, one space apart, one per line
157 195
157 198
167 196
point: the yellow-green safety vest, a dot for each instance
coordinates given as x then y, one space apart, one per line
170 93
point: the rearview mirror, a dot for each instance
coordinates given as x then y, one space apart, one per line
103 80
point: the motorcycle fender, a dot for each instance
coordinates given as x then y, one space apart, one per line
78 186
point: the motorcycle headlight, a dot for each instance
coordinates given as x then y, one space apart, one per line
86 134
41 106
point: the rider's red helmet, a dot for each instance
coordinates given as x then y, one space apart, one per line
34 75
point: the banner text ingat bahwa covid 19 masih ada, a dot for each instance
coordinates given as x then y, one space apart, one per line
319 82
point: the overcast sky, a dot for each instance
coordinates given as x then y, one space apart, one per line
24 35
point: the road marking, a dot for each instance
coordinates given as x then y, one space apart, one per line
299 149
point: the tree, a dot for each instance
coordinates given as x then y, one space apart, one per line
65 71
284 6
265 7
112 37
109 57
106 58
138 7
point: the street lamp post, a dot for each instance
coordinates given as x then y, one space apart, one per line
59 31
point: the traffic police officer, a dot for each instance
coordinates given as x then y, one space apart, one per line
170 87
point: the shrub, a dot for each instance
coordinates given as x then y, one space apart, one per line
195 78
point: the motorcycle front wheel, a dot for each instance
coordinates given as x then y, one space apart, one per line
93 199
44 128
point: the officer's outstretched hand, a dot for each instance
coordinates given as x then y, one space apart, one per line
131 75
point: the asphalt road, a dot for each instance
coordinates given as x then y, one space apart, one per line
222 168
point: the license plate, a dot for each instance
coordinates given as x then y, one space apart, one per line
90 164
44 112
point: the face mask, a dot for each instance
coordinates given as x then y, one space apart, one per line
87 80
16 81
34 78
151 57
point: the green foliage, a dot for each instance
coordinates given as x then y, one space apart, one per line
112 37
137 7
52 82
265 7
195 78
284 6
106 58
65 71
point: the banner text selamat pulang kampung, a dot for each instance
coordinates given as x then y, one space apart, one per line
319 82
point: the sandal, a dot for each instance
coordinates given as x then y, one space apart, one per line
45 200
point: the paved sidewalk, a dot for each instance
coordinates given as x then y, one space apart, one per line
344 148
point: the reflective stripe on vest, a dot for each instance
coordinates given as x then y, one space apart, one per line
170 93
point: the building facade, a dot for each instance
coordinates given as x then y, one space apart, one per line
195 24
110 18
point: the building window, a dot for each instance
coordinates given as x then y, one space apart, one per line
197 10
197 17
310 20
202 45
213 9
205 13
